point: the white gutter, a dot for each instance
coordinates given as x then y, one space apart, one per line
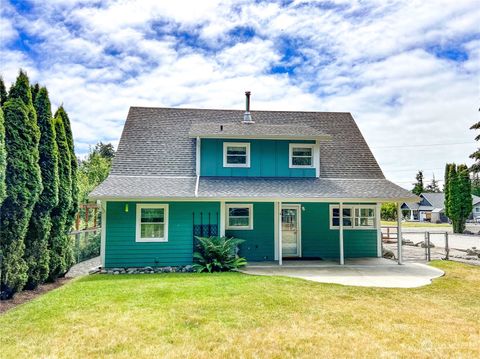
197 183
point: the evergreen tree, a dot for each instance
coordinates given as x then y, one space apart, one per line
73 165
433 187
3 159
3 92
23 187
34 89
36 241
475 168
476 185
446 190
60 247
418 186
465 196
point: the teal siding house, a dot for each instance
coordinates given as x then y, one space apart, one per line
293 185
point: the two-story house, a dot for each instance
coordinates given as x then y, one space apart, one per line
291 184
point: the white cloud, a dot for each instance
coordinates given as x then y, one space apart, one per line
384 61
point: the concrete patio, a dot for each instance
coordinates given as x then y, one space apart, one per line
363 272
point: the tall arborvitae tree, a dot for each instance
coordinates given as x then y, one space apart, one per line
465 196
23 187
35 89
73 165
3 159
458 198
36 241
23 181
446 189
418 186
60 249
3 92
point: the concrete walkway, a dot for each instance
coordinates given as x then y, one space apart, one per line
84 268
371 272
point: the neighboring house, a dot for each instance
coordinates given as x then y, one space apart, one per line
273 178
431 208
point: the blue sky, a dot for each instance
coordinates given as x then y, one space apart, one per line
407 71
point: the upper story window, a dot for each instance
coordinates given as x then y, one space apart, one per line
152 223
236 154
301 155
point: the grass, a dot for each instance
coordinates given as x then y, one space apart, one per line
417 224
236 315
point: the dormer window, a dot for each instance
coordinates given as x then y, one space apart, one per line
236 154
301 155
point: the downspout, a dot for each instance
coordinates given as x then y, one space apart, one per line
197 164
196 186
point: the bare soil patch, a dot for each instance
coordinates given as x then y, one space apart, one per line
28 295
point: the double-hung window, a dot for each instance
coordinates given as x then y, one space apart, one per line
301 155
239 216
236 154
152 223
354 216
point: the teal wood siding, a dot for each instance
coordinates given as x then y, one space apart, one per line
259 241
318 240
268 158
121 250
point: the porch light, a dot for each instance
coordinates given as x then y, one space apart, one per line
126 207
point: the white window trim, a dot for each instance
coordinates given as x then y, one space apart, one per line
352 207
238 205
139 220
239 144
291 146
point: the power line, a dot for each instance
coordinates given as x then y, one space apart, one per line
426 145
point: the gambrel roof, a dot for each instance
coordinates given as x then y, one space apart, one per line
156 156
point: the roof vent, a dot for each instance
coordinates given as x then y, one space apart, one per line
247 118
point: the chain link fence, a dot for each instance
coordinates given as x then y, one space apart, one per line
424 246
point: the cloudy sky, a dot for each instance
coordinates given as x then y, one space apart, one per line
408 71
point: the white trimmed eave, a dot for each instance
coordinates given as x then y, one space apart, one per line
265 137
251 199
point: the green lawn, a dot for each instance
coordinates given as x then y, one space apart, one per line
235 315
418 224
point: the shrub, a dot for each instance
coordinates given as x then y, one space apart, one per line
217 254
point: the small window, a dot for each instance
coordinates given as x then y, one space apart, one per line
239 216
301 155
236 154
347 217
152 223
477 209
365 217
354 216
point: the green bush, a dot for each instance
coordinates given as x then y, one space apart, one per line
217 254
87 248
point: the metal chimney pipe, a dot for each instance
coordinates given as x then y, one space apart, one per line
247 118
247 100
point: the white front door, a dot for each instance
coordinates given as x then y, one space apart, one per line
291 231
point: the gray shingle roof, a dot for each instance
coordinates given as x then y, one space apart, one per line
260 188
239 130
156 141
156 157
145 187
